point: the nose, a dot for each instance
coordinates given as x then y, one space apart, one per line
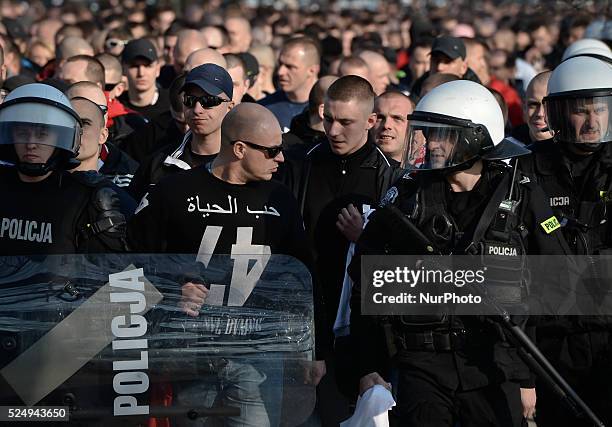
282 70
280 158
386 123
334 129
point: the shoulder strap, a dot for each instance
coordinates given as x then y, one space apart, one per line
488 214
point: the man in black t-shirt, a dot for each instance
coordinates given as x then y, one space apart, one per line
230 206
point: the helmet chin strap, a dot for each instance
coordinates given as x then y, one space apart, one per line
583 148
57 161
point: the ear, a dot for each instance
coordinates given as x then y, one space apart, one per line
321 110
464 67
3 72
238 150
314 70
103 136
119 89
371 121
157 68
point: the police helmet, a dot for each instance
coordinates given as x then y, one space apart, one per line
454 125
578 102
40 114
588 47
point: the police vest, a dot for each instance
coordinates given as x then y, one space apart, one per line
498 239
582 209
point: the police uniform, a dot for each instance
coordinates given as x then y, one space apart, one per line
458 368
47 210
575 171
62 214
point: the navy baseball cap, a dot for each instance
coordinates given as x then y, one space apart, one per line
452 47
212 79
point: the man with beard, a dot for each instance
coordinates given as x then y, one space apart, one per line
575 170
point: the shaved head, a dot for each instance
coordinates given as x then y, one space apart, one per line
379 70
533 108
251 145
435 80
204 56
355 66
112 67
250 122
188 41
307 49
88 109
539 80
87 90
318 91
73 46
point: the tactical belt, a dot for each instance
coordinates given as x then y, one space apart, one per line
432 340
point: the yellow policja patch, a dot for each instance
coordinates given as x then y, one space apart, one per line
550 225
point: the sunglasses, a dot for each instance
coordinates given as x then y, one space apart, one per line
206 101
110 86
272 152
112 43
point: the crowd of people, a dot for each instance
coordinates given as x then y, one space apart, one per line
484 123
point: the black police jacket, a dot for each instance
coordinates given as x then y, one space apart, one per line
486 358
63 214
582 204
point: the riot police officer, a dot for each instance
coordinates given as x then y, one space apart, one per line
466 201
46 210
575 170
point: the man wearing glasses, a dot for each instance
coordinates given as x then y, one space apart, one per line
230 206
207 95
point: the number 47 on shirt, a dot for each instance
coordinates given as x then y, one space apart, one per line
243 252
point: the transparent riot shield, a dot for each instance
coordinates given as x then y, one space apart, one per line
122 340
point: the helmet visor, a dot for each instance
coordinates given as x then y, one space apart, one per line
435 146
580 120
38 134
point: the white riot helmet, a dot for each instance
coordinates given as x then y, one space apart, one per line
579 101
40 114
454 125
588 47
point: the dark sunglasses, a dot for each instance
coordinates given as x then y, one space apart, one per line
110 86
206 101
272 152
113 43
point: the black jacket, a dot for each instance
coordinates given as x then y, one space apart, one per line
166 161
579 190
324 183
492 360
117 166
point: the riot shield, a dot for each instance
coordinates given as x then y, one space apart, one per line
115 339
